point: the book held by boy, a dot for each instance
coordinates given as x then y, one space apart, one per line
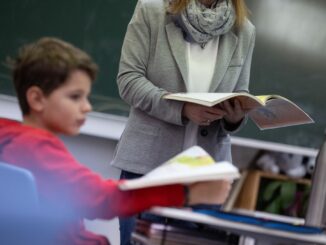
266 111
191 165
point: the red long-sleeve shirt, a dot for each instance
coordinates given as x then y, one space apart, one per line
65 184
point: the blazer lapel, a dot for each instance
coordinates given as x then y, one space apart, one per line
227 45
178 48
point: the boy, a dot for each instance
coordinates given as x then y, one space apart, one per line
53 80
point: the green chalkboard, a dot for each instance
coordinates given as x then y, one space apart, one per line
97 26
289 58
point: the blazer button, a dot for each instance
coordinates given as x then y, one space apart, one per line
204 132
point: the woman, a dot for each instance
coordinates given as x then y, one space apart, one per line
181 46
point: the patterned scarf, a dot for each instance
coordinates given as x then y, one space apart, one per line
200 24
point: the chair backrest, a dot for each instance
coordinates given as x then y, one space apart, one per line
22 221
17 191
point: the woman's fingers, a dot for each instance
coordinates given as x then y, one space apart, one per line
211 114
228 108
203 115
237 107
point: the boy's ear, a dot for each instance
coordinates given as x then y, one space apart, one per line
35 98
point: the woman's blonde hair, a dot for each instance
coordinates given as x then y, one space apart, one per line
176 6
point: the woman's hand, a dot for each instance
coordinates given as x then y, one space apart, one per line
233 111
202 115
210 192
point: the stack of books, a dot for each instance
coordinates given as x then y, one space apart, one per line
148 233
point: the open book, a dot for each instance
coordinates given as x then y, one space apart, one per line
192 165
266 111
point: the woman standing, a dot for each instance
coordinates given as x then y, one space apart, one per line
181 46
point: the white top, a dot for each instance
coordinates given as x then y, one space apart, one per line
201 66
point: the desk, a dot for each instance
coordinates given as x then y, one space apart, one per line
258 233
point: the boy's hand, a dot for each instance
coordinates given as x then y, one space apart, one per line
233 111
210 192
202 115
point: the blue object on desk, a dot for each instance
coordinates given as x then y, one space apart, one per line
278 225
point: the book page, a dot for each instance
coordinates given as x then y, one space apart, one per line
279 113
207 99
190 166
247 101
265 98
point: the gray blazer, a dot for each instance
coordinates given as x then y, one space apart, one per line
153 63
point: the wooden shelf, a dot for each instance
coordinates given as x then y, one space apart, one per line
248 196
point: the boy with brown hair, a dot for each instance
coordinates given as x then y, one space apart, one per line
53 80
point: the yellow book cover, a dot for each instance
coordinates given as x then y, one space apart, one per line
191 165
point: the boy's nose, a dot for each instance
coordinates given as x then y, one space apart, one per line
87 107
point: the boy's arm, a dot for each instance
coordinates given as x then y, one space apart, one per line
68 185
